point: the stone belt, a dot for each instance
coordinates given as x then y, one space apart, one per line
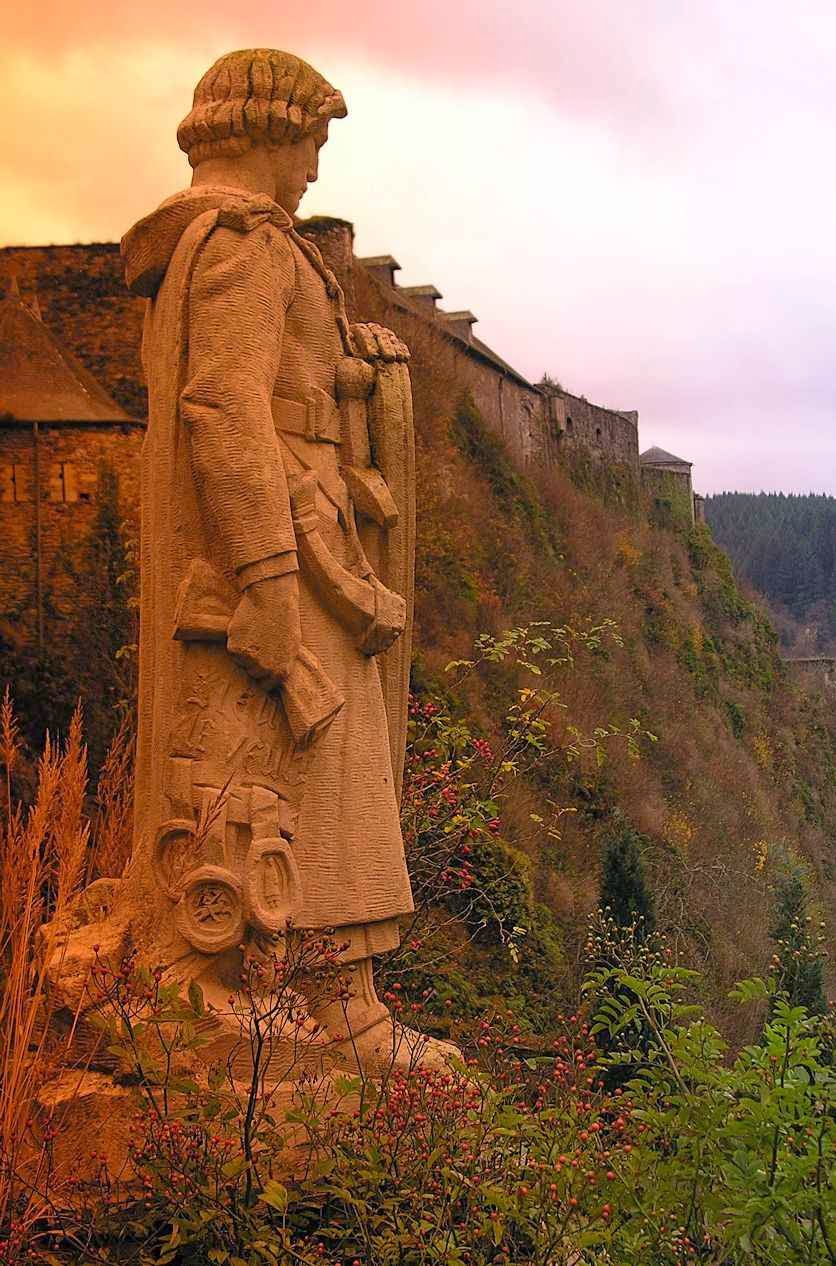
316 418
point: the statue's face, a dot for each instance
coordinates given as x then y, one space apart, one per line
296 166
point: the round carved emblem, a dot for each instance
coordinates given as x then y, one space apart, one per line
174 855
272 885
210 912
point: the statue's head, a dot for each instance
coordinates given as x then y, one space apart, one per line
265 105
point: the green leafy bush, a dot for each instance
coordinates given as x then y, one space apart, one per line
736 1157
514 1156
799 957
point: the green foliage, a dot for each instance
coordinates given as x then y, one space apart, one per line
614 484
716 577
633 949
101 650
628 1134
671 501
514 494
749 658
799 959
736 1163
784 544
92 655
737 720
624 891
44 694
455 787
518 1156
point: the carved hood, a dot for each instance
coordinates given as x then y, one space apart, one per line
147 248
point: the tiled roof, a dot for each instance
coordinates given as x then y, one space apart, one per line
421 292
658 457
379 261
40 380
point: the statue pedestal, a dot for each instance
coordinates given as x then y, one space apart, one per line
94 1127
90 1122
93 1115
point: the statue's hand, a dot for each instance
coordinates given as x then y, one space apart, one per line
264 634
389 621
375 342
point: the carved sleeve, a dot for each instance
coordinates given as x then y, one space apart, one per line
240 290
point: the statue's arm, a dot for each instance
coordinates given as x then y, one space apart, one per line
240 289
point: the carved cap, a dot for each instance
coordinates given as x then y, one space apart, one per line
256 94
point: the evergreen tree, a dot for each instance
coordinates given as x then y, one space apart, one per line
784 545
627 921
101 657
624 892
798 958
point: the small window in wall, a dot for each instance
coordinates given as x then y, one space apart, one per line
597 435
86 483
63 482
570 426
16 483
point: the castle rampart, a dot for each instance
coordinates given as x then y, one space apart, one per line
83 303
607 434
535 420
59 429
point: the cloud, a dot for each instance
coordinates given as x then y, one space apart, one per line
550 48
637 198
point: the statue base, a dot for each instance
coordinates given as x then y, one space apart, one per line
136 1045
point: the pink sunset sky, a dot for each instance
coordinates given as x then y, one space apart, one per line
639 198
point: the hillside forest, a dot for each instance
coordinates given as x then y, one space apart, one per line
784 546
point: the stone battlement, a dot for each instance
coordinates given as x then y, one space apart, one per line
77 296
84 302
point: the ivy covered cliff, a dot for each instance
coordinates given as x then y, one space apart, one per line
674 722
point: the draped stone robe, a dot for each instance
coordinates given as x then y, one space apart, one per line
244 332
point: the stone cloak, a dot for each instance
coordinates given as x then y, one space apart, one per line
238 314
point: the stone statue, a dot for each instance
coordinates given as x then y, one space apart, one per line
276 578
277 561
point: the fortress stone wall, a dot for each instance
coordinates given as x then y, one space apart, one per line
609 434
48 480
510 405
536 421
83 299
80 295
